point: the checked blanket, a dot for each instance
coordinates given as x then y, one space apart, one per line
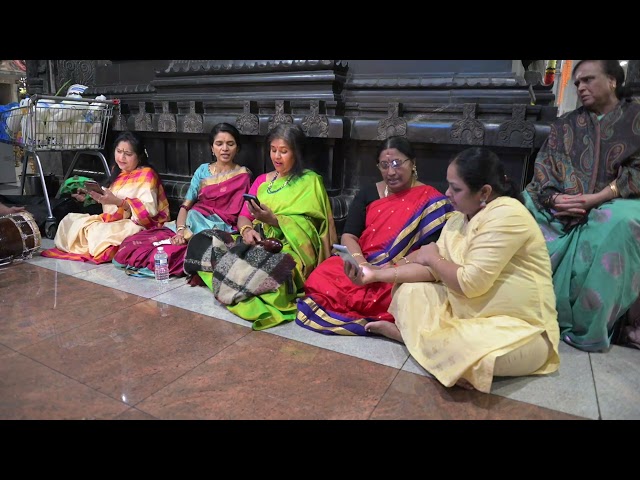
239 270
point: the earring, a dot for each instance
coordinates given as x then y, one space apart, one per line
483 203
415 171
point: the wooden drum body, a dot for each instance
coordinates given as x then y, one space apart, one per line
19 237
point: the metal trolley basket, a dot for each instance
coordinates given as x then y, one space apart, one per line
49 123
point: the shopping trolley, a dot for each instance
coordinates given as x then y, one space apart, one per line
52 124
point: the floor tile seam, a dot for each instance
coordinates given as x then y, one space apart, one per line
595 386
120 289
337 351
60 333
386 390
265 331
81 275
141 411
184 373
66 375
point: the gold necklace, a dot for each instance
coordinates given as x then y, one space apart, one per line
273 180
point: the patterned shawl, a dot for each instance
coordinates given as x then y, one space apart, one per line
583 154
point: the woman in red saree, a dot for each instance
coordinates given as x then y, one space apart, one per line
387 223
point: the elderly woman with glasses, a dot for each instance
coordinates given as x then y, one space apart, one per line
479 302
387 224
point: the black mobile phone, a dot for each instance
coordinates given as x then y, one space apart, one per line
248 196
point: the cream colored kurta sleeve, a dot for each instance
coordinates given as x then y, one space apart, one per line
497 238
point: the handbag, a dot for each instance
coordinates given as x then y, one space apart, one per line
239 270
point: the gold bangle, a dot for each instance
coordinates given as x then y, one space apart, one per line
181 227
242 229
441 258
406 260
395 277
357 254
614 189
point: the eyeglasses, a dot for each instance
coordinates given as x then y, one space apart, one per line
395 164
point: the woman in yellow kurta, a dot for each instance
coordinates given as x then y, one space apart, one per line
133 201
478 303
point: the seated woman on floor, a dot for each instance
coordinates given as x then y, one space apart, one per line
213 201
133 200
479 302
585 196
387 223
294 209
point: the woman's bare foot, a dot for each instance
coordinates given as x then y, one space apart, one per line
386 329
462 383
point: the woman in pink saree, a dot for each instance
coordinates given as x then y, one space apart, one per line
213 201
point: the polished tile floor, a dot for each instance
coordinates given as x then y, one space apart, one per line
80 341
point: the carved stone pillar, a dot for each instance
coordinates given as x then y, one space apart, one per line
633 77
76 71
36 76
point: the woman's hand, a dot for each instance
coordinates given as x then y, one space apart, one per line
573 205
107 198
262 213
80 196
428 254
251 237
360 276
4 210
178 239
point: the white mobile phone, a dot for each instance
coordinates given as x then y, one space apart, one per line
345 254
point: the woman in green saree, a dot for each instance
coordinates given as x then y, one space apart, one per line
584 195
294 208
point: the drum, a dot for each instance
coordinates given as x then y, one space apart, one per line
19 237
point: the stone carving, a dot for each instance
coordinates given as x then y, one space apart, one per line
119 120
469 130
75 71
280 115
393 124
36 74
224 67
633 78
517 132
143 119
192 121
314 124
247 123
167 120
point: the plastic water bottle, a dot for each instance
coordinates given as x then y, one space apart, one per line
161 265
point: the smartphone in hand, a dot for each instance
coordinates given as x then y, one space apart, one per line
92 186
344 253
248 196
